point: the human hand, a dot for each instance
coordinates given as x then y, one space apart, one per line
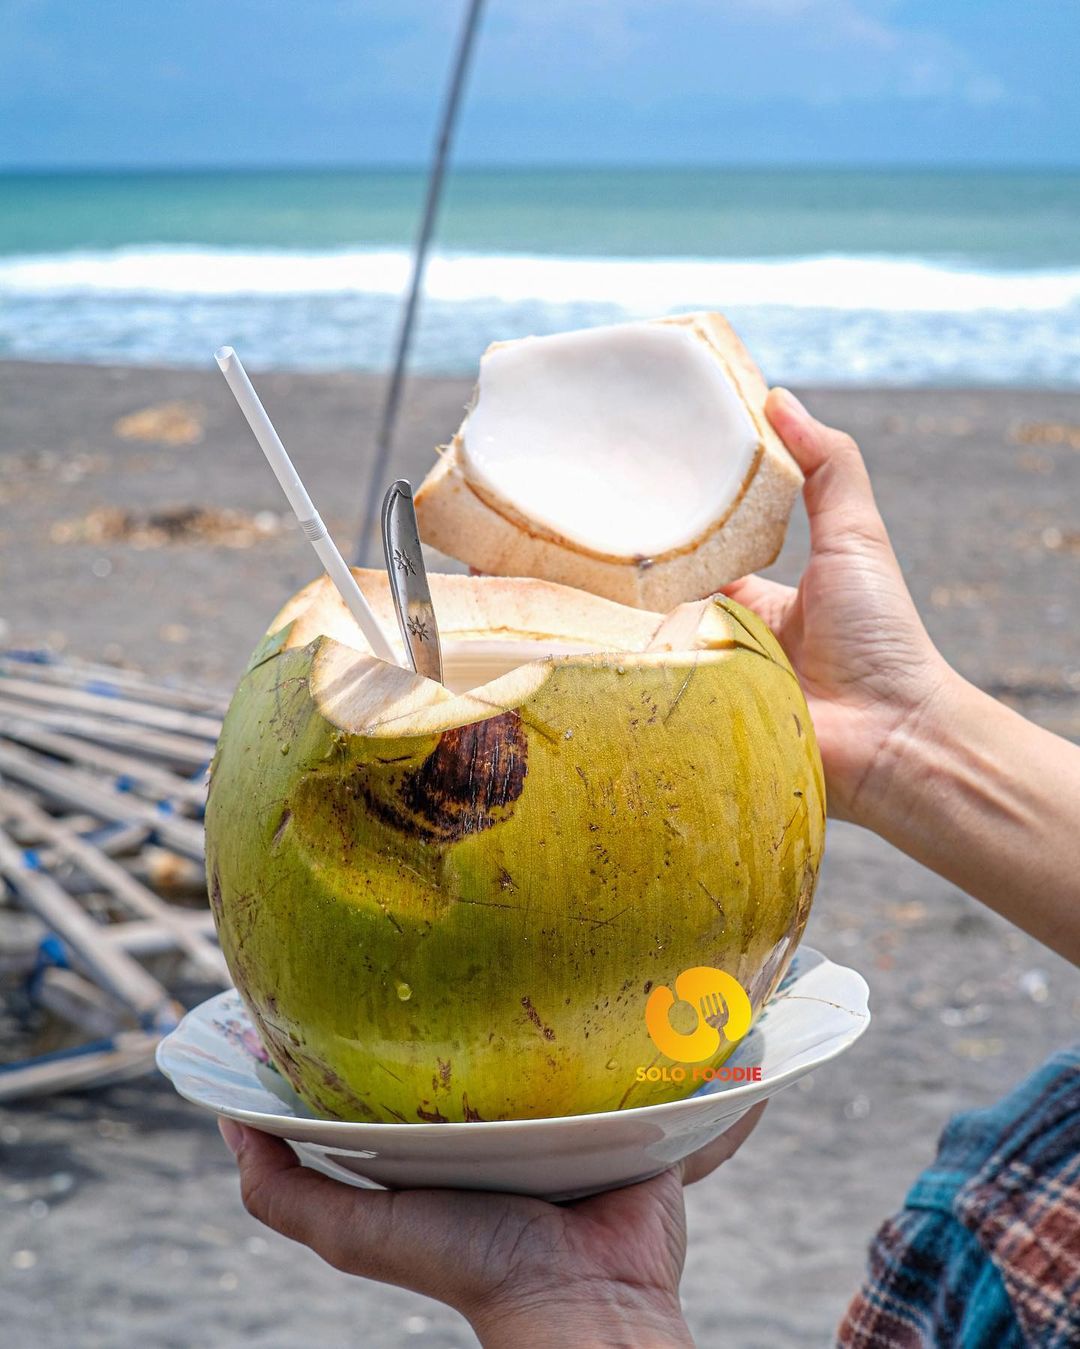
867 665
599 1271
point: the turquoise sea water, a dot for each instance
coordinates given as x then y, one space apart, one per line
842 277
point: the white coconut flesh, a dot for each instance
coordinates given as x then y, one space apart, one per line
490 628
630 441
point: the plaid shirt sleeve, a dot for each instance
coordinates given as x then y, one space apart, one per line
986 1252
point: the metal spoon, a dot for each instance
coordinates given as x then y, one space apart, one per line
408 581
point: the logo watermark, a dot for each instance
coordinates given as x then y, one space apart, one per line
722 1012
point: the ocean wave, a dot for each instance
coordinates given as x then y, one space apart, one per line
630 287
835 320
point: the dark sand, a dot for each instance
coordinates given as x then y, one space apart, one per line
121 1220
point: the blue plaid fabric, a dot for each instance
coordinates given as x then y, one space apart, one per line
986 1252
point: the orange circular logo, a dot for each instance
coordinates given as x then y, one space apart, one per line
720 1003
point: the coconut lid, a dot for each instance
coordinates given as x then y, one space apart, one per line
633 460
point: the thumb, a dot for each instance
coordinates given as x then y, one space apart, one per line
839 498
768 599
705 1161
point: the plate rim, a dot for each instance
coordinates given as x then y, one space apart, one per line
384 1128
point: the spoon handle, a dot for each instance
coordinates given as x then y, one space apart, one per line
409 587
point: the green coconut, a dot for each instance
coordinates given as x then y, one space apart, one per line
453 903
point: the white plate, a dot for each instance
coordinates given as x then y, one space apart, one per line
215 1059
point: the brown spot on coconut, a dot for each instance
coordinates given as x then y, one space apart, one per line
432 1116
466 784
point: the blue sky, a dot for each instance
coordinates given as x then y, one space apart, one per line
204 82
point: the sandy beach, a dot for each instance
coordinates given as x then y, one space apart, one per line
121 1221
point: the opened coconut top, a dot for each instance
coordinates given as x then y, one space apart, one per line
501 639
634 461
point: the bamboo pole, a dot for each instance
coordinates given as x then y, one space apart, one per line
190 752
137 936
125 1055
79 674
120 840
135 896
21 935
118 709
116 840
72 787
162 782
108 964
147 938
76 1000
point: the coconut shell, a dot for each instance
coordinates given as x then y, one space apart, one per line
454 906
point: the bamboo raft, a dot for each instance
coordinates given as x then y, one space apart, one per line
104 922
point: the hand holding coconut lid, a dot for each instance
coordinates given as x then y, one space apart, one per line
634 461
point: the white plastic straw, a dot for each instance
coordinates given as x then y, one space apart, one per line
306 514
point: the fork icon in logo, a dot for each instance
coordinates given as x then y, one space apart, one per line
714 1011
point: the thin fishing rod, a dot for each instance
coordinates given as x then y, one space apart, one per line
384 440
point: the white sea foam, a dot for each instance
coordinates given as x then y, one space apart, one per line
861 320
632 286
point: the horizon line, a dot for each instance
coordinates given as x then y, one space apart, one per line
539 167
